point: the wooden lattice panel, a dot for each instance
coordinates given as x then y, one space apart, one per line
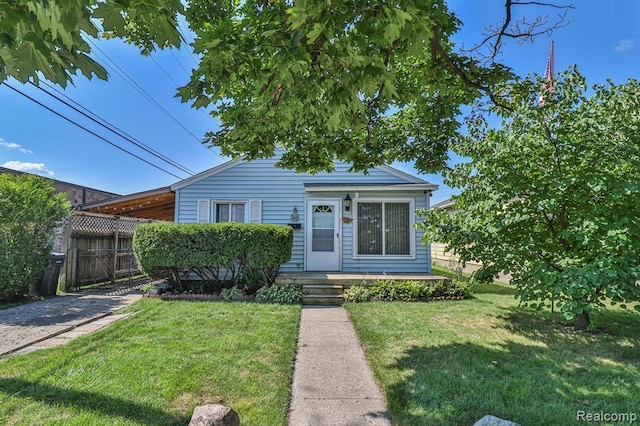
128 225
96 224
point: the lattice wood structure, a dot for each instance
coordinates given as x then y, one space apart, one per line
97 248
104 225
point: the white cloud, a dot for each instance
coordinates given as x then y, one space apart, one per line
37 168
624 45
12 145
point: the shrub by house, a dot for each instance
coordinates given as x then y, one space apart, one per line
215 253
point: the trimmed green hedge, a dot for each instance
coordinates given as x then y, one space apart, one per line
393 290
242 253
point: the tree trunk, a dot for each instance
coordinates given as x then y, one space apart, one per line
581 321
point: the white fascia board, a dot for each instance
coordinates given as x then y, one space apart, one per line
371 188
207 173
400 174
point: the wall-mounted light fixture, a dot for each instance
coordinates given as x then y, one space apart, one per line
347 202
294 215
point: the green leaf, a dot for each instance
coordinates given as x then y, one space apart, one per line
112 19
313 35
32 60
391 32
334 120
89 67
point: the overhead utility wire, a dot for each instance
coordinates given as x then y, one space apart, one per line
112 128
87 130
183 34
143 92
178 85
179 63
164 71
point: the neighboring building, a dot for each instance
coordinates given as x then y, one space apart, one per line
347 222
446 205
443 258
76 194
438 253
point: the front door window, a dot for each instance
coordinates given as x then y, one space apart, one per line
323 228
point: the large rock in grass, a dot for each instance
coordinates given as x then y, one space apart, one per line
214 415
494 421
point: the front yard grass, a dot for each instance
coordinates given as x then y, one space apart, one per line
449 363
154 367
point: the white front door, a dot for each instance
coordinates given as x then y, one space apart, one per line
323 235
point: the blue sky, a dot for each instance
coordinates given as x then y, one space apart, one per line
603 40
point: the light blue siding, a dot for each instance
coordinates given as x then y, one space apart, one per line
281 190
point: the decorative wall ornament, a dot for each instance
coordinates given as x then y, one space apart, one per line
294 215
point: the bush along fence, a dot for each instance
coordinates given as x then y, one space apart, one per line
97 248
213 256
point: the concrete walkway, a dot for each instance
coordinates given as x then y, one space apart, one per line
332 383
55 320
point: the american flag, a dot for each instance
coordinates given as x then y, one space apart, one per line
548 75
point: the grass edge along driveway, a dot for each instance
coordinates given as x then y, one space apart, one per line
154 367
448 363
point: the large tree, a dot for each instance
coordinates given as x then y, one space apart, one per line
364 81
551 196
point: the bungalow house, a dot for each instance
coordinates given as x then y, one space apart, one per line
343 222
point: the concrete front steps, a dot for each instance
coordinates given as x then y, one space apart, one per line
319 288
322 294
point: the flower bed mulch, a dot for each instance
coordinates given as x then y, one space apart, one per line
167 296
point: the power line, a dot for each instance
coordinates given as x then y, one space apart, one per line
123 74
179 63
87 130
164 71
178 85
112 128
183 34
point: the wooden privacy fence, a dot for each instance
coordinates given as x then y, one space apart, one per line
97 248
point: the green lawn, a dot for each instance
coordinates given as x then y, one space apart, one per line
451 363
154 367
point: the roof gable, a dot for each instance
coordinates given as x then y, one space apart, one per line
207 174
398 174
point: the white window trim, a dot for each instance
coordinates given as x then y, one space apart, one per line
252 210
412 231
214 203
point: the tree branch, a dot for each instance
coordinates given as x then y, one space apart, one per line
267 84
550 262
453 66
277 94
521 28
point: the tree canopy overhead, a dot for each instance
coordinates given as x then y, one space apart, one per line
551 197
368 82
